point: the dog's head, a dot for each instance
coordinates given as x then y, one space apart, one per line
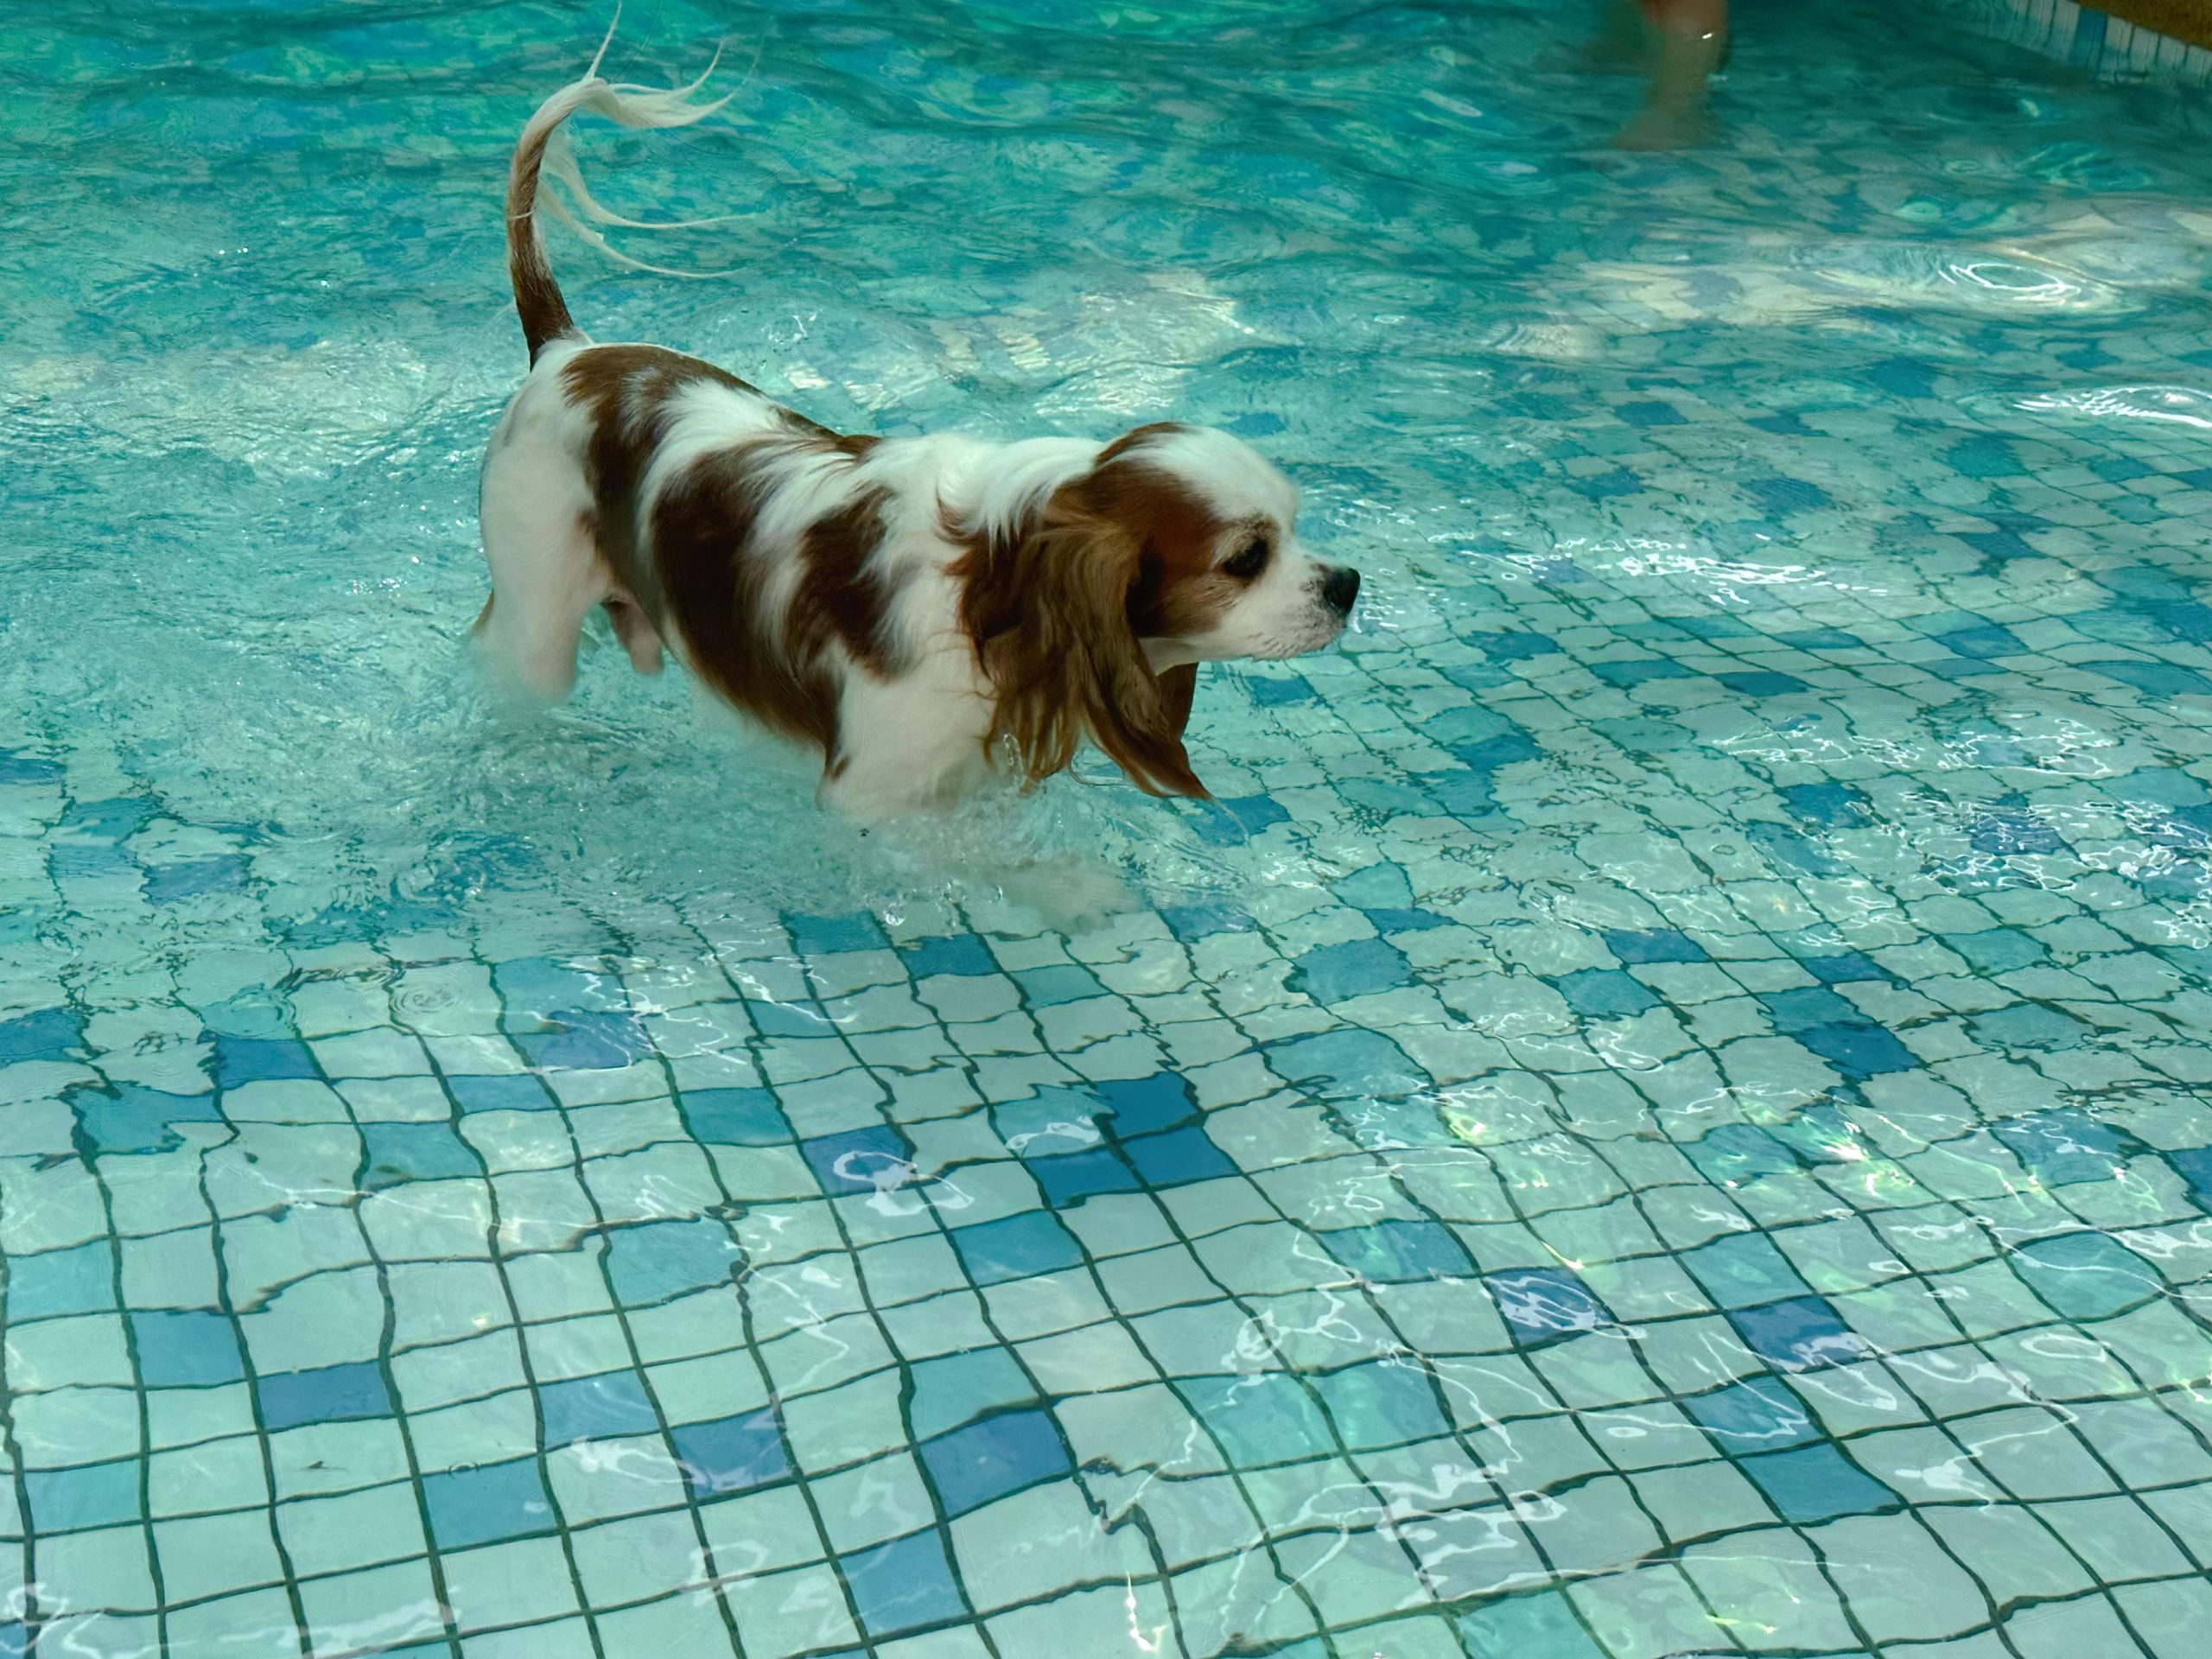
1093 608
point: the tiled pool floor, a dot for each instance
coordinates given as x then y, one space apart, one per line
1663 1112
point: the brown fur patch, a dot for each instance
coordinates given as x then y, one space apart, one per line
690 564
627 391
711 581
1057 609
544 313
842 593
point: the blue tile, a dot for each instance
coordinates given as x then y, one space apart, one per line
1405 921
1641 671
1400 1252
486 1504
859 1160
2159 679
585 1040
1016 1247
1541 1625
1178 1157
1277 690
736 1117
1191 923
398 1152
661 1259
500 1094
1261 1419
1787 846
333 1394
168 884
1740 1152
902 1584
65 1500
1650 414
1068 1178
956 1388
1236 821
1654 944
190 1348
1335 973
1604 993
820 936
2028 1025
2064 1145
2004 831
1512 647
1802 1009
1801 1335
993 1458
1759 1414
1814 1484
1507 749
1762 683
79 1279
17 767
47 1034
2193 1166
603 1407
1743 1269
1356 1059
1975 638
1781 497
1844 968
2086 1275
1827 806
1382 1402
1049 987
1859 1051
1542 1305
246 1059
1603 487
965 955
90 861
731 1454
1142 1105
128 1117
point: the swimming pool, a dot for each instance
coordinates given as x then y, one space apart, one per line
1662 1113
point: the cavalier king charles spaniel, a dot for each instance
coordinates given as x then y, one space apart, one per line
927 612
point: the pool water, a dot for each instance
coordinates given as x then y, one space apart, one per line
1662 1111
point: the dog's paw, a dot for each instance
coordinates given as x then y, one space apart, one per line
1069 896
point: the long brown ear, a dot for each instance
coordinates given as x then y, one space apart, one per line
1049 610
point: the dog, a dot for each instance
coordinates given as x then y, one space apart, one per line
929 612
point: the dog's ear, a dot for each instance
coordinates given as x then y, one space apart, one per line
1048 606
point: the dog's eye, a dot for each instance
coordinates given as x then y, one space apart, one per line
1248 560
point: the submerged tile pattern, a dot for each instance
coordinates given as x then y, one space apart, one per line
1670 1119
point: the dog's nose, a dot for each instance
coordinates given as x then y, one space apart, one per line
1340 587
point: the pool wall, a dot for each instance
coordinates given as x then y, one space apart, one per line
2166 41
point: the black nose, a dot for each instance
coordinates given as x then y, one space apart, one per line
1340 587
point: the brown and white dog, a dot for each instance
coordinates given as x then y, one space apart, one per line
927 612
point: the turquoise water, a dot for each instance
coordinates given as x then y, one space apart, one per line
1660 1113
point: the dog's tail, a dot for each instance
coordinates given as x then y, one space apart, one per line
544 313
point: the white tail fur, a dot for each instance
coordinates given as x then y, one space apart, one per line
542 148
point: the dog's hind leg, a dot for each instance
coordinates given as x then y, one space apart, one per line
546 573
